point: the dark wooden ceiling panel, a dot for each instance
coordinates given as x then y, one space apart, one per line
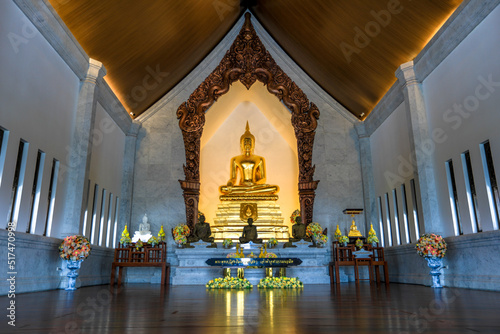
136 38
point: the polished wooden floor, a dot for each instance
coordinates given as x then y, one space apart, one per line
348 308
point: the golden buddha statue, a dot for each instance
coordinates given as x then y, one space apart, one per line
353 231
248 171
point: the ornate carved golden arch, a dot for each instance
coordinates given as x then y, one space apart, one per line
247 61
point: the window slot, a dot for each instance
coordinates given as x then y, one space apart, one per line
471 192
381 221
491 183
51 197
18 183
388 219
452 190
35 192
396 217
406 223
414 200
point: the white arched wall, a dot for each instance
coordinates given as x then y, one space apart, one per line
270 123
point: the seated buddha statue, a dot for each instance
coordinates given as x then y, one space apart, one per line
250 233
353 231
248 171
299 231
201 231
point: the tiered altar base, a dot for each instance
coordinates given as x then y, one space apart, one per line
190 267
229 225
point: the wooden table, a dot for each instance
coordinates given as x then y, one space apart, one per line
146 256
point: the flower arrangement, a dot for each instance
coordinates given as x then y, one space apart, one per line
359 243
153 241
321 239
272 242
75 247
313 228
227 243
294 215
180 230
271 255
139 244
125 239
180 239
233 256
337 233
343 239
280 283
161 234
372 236
431 244
229 283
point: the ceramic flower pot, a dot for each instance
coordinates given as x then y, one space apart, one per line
435 263
73 266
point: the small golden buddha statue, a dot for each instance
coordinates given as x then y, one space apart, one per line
353 231
248 171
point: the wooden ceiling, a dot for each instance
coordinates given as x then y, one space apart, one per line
351 48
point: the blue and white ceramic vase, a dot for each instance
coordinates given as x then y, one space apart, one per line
436 264
73 266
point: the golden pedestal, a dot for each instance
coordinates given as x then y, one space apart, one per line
228 223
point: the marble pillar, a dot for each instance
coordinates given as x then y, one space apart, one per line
421 144
80 150
369 199
128 177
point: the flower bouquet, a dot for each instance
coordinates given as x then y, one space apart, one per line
359 243
313 228
372 236
181 229
139 244
161 234
180 240
337 234
294 215
431 245
227 243
233 256
153 241
320 239
75 247
229 283
343 240
271 255
272 243
280 283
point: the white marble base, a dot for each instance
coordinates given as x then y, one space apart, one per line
191 268
143 237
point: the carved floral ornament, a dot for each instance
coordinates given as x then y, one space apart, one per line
247 61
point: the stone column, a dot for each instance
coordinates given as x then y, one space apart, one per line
421 144
369 199
128 177
77 164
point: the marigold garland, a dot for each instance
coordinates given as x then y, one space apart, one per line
280 283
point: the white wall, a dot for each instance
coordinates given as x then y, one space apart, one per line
38 93
458 84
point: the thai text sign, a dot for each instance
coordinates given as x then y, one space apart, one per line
253 262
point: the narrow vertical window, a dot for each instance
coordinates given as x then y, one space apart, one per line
94 214
406 222
115 229
396 217
388 219
381 221
51 197
491 183
471 192
452 190
110 219
4 135
414 200
86 208
102 215
18 183
35 191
